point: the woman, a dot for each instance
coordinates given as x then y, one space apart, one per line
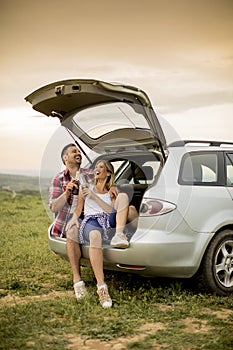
101 212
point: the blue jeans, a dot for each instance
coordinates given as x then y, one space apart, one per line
92 224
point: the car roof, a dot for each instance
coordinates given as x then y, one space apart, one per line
204 145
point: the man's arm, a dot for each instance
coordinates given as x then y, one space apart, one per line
58 203
76 214
58 197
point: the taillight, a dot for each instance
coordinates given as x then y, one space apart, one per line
152 207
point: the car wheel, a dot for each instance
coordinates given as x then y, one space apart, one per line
217 266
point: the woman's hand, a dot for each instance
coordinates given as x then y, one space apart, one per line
87 192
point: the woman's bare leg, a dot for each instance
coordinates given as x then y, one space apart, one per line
96 256
122 210
133 218
121 206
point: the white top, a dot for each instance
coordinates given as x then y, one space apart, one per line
91 207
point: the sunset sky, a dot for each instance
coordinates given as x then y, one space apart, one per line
179 51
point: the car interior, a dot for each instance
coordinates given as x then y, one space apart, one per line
134 173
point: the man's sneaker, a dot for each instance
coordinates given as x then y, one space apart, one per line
104 297
80 290
119 240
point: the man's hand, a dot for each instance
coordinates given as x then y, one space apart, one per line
113 192
69 188
73 222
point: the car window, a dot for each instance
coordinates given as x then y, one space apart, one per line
146 174
199 168
132 173
119 166
229 168
99 120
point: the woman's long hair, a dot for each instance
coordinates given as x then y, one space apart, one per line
109 167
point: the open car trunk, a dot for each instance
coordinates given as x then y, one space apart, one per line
103 116
111 121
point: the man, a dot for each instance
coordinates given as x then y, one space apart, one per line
63 202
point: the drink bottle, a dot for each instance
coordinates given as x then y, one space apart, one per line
76 181
83 181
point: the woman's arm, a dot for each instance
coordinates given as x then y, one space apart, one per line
79 207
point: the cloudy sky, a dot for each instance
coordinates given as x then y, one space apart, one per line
179 51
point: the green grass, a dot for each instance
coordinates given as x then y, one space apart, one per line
23 183
38 309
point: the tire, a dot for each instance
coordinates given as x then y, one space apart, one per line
216 274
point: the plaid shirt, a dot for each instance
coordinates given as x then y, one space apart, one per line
58 186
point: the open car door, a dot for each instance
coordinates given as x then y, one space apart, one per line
104 116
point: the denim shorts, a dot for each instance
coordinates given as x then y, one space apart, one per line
92 224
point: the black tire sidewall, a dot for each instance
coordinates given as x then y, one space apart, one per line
208 267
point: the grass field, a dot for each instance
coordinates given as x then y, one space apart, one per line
38 309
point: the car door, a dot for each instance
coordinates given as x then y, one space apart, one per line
105 117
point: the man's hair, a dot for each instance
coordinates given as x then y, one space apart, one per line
64 150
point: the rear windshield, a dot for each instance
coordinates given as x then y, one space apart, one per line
100 120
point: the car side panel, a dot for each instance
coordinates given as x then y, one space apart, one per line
210 209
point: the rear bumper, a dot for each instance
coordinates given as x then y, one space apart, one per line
170 255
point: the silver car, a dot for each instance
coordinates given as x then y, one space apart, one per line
183 191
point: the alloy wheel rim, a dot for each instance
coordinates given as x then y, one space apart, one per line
224 264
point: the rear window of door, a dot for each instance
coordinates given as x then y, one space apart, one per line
201 168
